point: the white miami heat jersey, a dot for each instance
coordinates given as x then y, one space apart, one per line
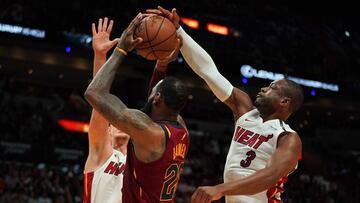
104 185
252 146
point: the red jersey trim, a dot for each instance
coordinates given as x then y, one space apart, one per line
278 188
88 178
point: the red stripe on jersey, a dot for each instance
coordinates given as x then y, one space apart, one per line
88 178
278 188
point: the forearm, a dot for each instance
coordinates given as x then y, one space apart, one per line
105 76
100 86
98 126
106 105
159 73
99 60
203 65
259 181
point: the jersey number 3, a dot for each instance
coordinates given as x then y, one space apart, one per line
251 155
171 179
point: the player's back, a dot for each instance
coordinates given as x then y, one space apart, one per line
157 181
252 146
105 183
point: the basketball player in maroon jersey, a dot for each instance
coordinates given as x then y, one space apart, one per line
159 140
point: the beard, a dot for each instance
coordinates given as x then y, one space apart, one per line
147 107
257 102
262 104
265 105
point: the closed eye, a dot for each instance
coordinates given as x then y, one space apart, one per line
272 86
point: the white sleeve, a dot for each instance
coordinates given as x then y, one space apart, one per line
203 65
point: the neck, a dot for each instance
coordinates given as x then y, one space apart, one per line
122 149
275 115
166 115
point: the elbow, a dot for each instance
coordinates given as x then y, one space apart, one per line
91 95
273 177
275 174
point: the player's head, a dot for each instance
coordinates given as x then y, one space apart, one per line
119 138
280 96
169 94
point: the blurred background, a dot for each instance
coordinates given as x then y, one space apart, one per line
46 62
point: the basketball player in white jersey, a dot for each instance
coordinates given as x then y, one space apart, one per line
263 150
104 167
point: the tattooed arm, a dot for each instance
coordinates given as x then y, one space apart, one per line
147 136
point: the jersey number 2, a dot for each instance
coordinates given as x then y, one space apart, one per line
171 179
250 156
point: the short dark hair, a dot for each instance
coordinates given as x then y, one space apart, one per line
174 92
295 92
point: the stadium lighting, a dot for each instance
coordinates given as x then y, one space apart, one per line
218 29
347 33
244 81
74 126
19 30
313 92
248 72
192 23
68 49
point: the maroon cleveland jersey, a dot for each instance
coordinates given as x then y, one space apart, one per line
157 181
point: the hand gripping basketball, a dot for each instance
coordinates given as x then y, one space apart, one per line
164 62
127 41
172 16
159 37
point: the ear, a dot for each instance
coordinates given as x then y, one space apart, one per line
157 98
285 101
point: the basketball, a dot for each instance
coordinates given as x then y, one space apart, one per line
159 35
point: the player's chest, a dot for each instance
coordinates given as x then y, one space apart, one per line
254 135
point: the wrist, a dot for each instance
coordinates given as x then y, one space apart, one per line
221 188
99 55
179 30
119 50
122 45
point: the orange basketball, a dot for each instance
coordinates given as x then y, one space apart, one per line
159 35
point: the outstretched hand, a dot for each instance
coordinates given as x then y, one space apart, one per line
101 42
172 16
162 63
127 41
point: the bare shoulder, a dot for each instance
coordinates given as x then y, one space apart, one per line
239 102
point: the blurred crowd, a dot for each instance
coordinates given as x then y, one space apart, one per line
30 183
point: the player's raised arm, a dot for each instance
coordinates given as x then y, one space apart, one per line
131 121
99 141
160 69
283 162
203 65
